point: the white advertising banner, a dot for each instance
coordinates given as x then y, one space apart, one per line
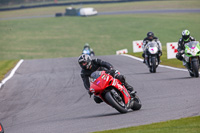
137 46
122 51
172 50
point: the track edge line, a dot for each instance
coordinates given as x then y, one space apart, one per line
11 73
169 67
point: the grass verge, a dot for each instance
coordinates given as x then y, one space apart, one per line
6 66
184 125
65 36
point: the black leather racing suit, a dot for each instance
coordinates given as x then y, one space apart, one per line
146 40
97 65
181 47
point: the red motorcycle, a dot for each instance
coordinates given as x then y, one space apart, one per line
1 129
113 92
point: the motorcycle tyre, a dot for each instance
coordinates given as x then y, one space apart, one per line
109 98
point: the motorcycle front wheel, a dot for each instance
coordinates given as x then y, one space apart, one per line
153 67
195 68
115 102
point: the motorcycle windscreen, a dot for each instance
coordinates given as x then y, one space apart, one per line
96 81
192 48
100 83
86 52
192 44
153 44
153 47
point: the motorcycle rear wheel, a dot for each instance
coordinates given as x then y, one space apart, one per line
115 103
137 103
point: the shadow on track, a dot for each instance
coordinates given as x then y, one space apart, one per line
179 78
99 115
145 73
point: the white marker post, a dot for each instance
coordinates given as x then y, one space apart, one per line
172 50
122 51
137 46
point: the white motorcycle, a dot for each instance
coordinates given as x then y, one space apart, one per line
152 55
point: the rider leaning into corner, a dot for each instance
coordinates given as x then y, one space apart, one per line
181 44
150 37
89 66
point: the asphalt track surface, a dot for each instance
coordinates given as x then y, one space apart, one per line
119 12
47 95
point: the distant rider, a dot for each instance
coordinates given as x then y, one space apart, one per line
87 47
89 66
181 43
150 37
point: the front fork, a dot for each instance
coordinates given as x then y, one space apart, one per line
148 60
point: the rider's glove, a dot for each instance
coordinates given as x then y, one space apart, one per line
160 53
90 93
112 72
182 51
121 78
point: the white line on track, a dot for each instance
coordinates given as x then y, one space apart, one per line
11 73
139 59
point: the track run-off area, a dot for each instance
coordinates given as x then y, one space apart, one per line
47 95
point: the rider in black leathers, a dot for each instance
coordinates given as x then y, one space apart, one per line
89 65
181 43
150 37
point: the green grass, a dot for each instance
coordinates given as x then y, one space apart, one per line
5 66
65 36
184 125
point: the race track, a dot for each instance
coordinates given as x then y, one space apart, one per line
47 95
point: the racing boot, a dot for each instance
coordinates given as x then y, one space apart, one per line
130 89
144 61
143 55
97 99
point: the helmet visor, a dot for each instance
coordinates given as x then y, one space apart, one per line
83 63
186 37
150 37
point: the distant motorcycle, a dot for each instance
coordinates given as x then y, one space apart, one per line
88 51
113 92
192 58
152 55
